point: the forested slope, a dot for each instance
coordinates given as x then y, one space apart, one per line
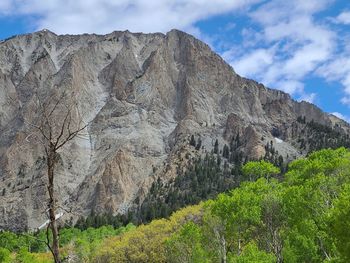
299 216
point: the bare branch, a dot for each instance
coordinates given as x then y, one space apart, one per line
39 128
57 103
62 129
71 136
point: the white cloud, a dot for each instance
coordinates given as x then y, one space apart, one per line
297 45
253 63
290 86
343 18
341 116
345 100
276 11
308 97
5 6
337 70
104 16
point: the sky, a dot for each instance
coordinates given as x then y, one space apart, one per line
300 46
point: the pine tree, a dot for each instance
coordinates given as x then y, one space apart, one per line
199 144
226 152
216 146
193 141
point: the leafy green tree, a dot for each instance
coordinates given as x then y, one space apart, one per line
186 245
251 253
311 186
255 170
242 212
340 225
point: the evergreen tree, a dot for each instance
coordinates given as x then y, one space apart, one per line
199 144
226 152
193 141
216 146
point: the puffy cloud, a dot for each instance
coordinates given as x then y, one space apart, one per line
253 63
276 11
5 6
338 69
308 97
290 86
343 18
341 116
297 45
345 100
104 16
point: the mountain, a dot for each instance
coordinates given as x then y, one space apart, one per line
144 96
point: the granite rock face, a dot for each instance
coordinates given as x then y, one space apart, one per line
144 95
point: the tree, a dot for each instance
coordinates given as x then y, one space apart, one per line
255 170
199 144
226 152
186 245
241 211
213 240
216 147
339 225
251 253
57 120
193 141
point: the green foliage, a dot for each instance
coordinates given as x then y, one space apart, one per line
9 240
303 217
186 245
98 220
84 243
5 255
340 225
146 243
255 170
24 256
298 220
246 211
205 178
251 253
88 242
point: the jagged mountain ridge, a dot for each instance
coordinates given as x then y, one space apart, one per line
145 94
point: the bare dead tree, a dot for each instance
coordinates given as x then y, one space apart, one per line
56 121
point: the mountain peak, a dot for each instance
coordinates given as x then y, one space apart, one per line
145 96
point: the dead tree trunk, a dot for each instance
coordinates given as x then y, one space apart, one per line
51 158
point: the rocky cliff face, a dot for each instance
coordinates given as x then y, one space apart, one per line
145 95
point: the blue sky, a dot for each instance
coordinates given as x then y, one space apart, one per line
300 46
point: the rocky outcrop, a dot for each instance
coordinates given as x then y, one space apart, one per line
144 95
